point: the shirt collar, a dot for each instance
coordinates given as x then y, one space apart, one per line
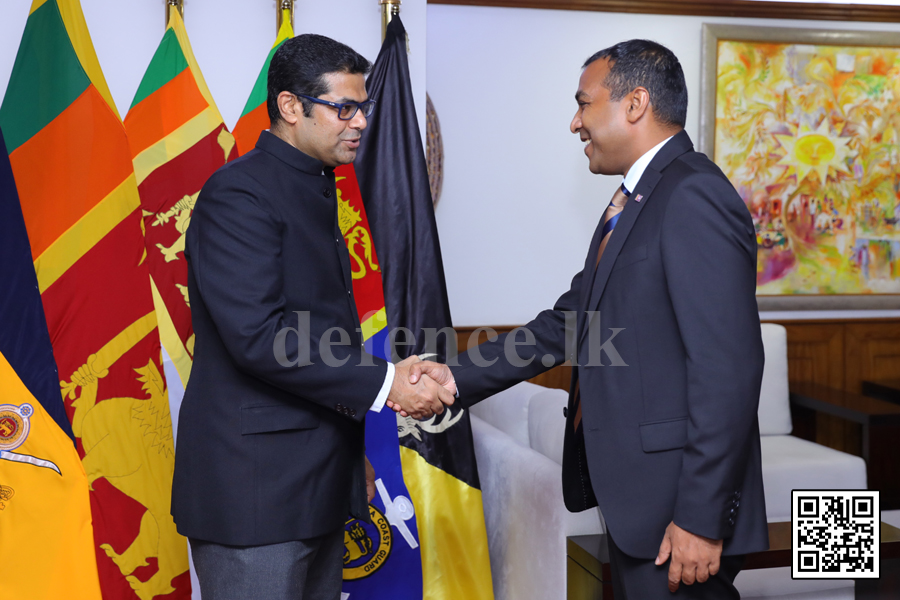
640 165
280 149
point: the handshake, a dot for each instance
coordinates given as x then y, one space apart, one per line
421 388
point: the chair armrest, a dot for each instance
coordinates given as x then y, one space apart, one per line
846 405
525 515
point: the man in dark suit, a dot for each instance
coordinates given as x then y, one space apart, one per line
661 426
270 459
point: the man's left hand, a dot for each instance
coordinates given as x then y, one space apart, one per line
694 557
370 480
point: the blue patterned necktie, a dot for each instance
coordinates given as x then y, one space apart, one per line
610 218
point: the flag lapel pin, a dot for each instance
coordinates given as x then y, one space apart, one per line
639 197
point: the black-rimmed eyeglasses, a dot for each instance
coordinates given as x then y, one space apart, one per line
346 110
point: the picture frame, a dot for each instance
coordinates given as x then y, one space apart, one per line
749 9
794 113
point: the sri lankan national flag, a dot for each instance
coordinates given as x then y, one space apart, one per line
177 141
255 117
79 198
45 510
438 455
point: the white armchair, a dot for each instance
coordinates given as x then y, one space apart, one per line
518 443
518 437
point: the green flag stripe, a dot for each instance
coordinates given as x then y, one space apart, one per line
260 91
167 62
46 78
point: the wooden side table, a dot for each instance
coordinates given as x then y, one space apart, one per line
883 389
880 422
589 575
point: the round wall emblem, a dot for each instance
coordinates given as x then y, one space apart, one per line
14 425
366 546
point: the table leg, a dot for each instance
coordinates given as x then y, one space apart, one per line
881 451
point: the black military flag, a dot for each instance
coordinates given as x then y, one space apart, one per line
438 456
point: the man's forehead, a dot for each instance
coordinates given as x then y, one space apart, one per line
350 87
591 80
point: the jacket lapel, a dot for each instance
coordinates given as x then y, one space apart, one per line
678 145
587 276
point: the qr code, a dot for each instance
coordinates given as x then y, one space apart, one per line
836 534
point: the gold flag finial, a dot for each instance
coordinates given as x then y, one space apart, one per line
389 8
284 7
178 5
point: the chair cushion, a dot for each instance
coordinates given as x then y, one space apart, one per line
774 397
790 463
547 423
508 410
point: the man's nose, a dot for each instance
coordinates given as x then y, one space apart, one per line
575 125
359 120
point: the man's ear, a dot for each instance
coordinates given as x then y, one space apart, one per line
638 104
290 108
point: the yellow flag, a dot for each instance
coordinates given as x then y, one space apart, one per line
46 538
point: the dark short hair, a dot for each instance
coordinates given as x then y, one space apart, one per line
299 66
642 63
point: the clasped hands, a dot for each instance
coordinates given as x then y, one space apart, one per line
421 389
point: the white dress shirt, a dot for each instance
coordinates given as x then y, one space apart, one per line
640 165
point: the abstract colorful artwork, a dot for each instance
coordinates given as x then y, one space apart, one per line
809 134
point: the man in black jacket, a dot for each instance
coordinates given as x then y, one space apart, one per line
661 426
270 459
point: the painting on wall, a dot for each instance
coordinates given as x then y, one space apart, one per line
806 125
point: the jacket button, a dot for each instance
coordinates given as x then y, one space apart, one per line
327 192
566 412
352 412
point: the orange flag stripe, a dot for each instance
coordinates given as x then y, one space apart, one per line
82 175
246 132
164 111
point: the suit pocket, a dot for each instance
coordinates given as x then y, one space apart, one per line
630 257
265 419
670 434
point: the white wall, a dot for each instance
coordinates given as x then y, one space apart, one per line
230 39
519 205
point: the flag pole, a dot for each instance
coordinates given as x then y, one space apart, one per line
389 8
179 6
284 6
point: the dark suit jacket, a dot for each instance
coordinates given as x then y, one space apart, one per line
268 453
674 434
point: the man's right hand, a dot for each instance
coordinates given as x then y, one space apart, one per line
418 400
